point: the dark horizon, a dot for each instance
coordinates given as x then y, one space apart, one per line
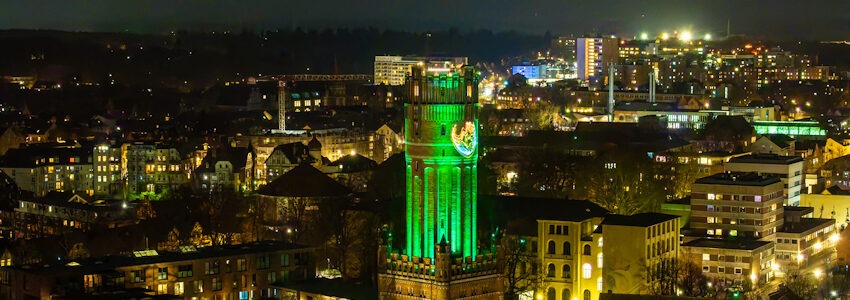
783 19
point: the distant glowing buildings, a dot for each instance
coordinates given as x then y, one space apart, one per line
593 55
391 70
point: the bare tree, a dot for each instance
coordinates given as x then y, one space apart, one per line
520 273
671 276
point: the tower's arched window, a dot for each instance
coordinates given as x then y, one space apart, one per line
586 250
550 270
550 249
567 248
565 271
550 294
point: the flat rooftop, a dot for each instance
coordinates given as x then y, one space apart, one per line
799 209
638 220
739 178
766 158
736 244
805 224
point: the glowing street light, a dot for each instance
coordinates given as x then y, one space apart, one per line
644 36
707 37
818 273
685 36
664 36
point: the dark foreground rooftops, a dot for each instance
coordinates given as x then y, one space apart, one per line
638 220
739 178
742 244
766 158
108 263
805 224
336 288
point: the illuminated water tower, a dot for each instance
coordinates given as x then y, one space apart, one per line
440 258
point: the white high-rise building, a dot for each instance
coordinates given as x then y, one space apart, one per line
788 168
593 56
392 69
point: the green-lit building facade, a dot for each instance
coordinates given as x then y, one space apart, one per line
439 258
441 155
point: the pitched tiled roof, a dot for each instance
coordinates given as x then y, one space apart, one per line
304 181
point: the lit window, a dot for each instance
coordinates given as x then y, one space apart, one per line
586 271
711 197
599 260
706 256
758 199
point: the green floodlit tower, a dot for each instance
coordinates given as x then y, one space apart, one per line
441 138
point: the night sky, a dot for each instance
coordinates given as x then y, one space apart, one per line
818 19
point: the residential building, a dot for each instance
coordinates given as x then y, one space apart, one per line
63 212
287 156
728 263
246 271
580 250
392 70
641 246
805 242
789 169
774 143
50 167
107 170
335 143
737 204
151 169
223 167
569 252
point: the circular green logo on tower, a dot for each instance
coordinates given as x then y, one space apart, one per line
464 138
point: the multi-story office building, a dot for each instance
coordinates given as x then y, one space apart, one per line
789 169
392 70
593 56
737 204
730 262
246 271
